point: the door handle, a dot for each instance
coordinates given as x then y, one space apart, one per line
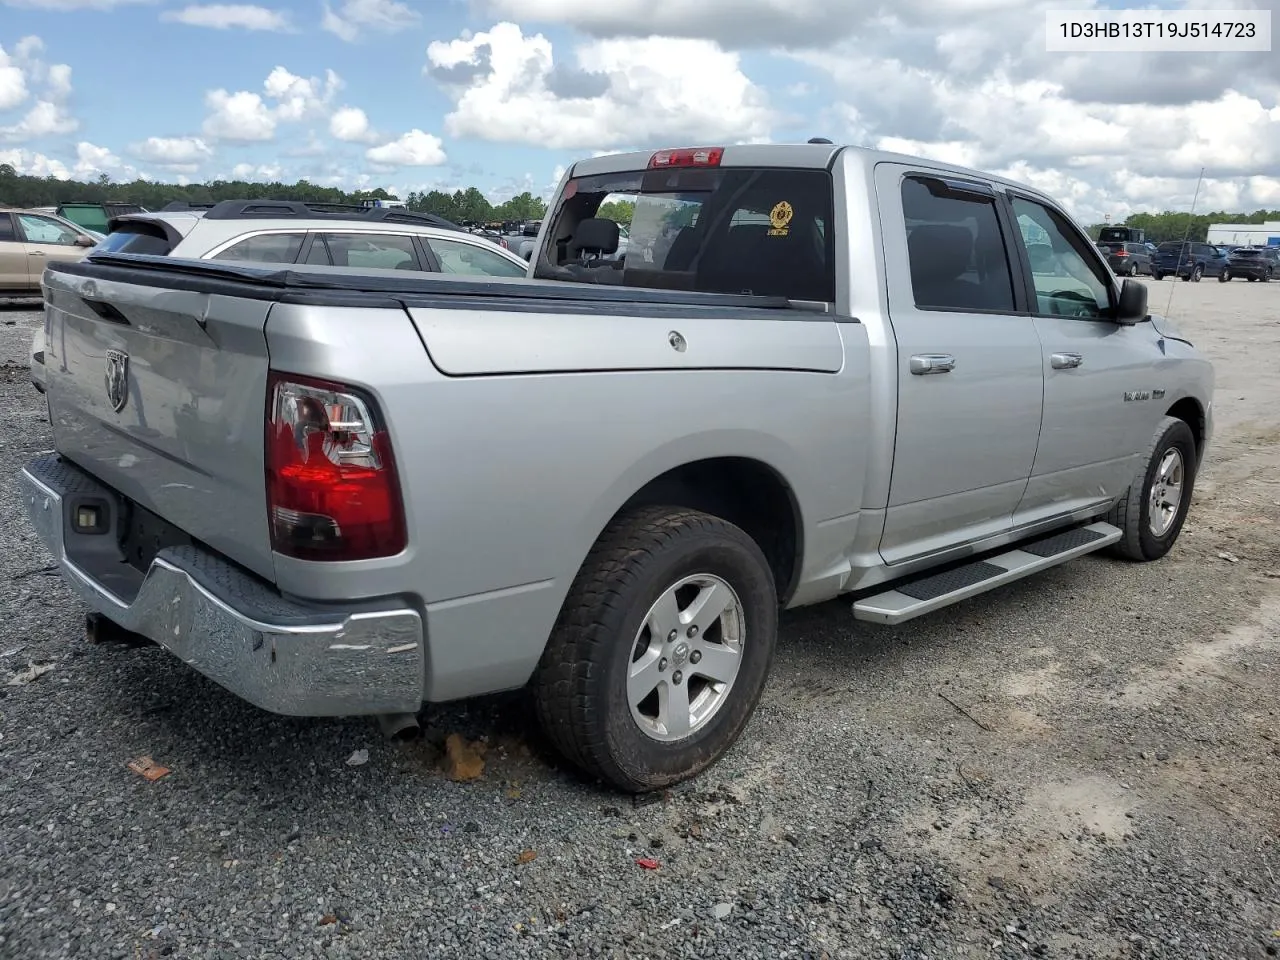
35 253
925 364
1066 361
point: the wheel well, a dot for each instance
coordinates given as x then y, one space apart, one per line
1188 411
749 495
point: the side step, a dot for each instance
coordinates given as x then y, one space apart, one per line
917 597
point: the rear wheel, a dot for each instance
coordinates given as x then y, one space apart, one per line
661 651
1151 514
1224 276
1197 274
1266 276
1156 274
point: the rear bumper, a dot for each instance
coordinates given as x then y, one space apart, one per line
282 655
1247 270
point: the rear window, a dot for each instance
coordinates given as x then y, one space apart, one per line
1171 246
741 230
142 238
1246 253
1111 247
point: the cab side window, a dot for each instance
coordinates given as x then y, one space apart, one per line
956 249
1068 282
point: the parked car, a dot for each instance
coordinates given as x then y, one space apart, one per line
1127 259
342 492
288 232
95 216
1250 263
1188 260
28 241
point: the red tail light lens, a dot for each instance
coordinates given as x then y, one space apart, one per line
693 157
1122 253
332 489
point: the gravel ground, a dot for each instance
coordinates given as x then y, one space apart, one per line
1081 765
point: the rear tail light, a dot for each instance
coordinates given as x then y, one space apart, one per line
332 489
692 157
1122 253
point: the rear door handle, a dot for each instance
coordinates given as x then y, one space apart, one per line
925 364
35 253
1066 361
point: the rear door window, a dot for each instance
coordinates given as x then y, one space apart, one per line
956 249
7 233
265 248
742 230
383 251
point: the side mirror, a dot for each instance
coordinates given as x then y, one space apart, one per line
85 241
1132 306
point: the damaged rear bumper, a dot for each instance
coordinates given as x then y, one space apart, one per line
282 655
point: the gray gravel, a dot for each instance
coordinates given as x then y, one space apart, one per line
1084 765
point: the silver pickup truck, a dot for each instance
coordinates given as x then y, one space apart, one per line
819 372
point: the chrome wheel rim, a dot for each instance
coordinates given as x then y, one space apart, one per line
1166 492
686 657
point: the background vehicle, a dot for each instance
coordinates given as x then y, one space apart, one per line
1127 259
1249 263
824 371
1121 235
28 241
286 232
1188 260
95 216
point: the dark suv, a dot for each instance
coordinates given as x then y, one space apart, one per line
1126 259
1188 260
1253 263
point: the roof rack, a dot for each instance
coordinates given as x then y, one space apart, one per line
282 209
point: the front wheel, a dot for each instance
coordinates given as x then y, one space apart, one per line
661 651
1151 513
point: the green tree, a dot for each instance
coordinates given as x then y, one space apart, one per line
619 211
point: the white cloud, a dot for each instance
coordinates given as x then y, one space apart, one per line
245 116
383 16
92 161
64 6
173 151
13 82
763 23
225 16
351 125
239 117
264 173
300 98
413 149
44 119
32 164
508 87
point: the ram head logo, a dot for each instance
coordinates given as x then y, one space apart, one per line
117 379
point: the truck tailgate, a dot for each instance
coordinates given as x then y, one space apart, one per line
160 394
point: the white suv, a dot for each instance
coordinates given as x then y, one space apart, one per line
289 231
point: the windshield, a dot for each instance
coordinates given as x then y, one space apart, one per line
739 230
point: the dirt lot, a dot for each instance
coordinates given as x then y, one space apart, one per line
1081 765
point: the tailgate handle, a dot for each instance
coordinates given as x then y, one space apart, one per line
105 310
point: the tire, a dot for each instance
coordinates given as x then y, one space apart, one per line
1141 540
1133 270
1224 276
1156 275
1266 276
1197 274
580 687
1254 279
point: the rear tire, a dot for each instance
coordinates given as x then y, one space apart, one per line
1224 276
1197 274
1171 458
589 687
1156 275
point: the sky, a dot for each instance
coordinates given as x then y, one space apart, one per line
505 94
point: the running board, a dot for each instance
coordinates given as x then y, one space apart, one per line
918 597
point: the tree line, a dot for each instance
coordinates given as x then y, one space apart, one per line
461 206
